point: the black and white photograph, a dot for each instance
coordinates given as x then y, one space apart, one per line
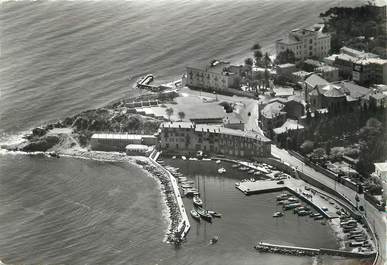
193 132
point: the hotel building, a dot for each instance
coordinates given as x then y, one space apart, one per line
306 43
217 75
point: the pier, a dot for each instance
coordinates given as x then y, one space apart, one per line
291 185
303 251
184 225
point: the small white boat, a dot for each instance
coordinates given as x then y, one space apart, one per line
278 214
221 170
214 240
215 214
173 157
217 161
183 157
197 201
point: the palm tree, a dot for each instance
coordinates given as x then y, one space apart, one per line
169 112
249 65
181 115
266 60
258 57
257 53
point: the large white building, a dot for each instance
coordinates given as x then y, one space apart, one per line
306 43
217 75
187 137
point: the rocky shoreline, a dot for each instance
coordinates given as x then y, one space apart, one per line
115 118
169 197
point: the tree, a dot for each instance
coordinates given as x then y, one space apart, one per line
249 62
248 65
258 57
256 46
181 115
307 147
285 57
257 53
266 60
318 154
169 112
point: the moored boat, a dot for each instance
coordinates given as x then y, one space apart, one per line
215 214
204 214
195 214
318 217
217 161
214 240
278 214
282 196
197 201
221 170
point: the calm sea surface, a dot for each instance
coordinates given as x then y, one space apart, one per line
62 57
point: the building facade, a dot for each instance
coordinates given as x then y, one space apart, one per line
118 142
370 71
216 76
329 73
187 137
306 43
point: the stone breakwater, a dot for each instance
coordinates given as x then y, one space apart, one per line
170 200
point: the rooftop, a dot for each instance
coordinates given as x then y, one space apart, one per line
137 147
272 110
227 131
287 126
215 66
316 80
381 166
286 65
378 96
343 88
301 73
357 53
119 136
366 61
326 68
215 129
313 62
179 124
283 91
289 40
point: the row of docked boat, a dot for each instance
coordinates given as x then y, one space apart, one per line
199 212
289 202
356 235
189 190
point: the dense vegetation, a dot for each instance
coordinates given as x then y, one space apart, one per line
362 28
358 134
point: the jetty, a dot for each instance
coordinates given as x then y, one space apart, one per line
184 225
303 251
290 185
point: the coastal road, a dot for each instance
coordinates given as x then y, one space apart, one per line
376 218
